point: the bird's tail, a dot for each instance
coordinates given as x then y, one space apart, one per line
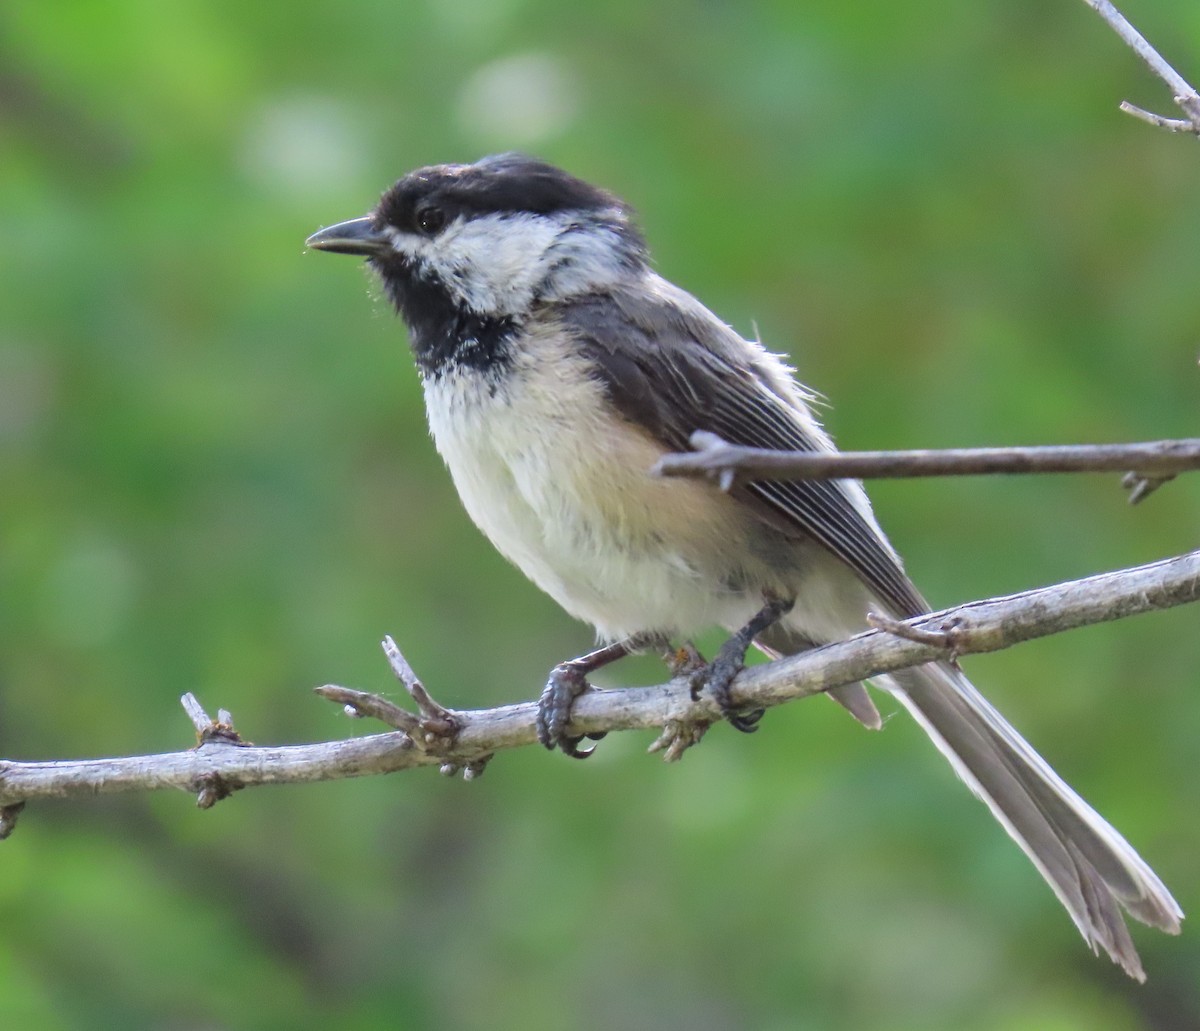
1091 868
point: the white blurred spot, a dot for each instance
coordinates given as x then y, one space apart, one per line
304 146
87 596
518 100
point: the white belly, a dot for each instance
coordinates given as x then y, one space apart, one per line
565 494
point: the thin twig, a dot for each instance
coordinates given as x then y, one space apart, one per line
1185 96
1158 121
221 729
363 703
727 463
217 768
437 718
433 730
200 719
945 637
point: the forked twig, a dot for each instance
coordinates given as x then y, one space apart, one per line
1182 92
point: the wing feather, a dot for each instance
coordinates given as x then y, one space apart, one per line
672 368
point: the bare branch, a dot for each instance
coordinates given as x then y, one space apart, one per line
1155 462
944 638
200 719
220 765
433 731
1184 95
207 729
1158 121
438 721
362 703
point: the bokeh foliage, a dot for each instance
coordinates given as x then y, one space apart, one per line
214 476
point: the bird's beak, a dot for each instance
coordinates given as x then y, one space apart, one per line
358 236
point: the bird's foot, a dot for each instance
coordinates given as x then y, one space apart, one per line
678 736
718 675
567 681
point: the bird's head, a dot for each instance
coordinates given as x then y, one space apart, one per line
465 250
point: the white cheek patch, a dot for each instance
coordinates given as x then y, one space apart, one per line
493 263
501 263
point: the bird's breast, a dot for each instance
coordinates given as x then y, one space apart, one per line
560 483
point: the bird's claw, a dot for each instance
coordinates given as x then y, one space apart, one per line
677 737
718 677
566 683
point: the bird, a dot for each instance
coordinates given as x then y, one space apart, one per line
558 367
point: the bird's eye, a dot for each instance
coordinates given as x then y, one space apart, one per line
430 219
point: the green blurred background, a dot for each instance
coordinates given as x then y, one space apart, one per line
215 477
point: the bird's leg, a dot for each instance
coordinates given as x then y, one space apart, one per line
678 735
567 681
718 675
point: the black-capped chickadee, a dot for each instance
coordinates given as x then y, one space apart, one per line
558 367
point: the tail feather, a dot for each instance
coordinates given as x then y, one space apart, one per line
1091 868
781 639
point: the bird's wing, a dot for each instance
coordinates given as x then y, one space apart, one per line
669 367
